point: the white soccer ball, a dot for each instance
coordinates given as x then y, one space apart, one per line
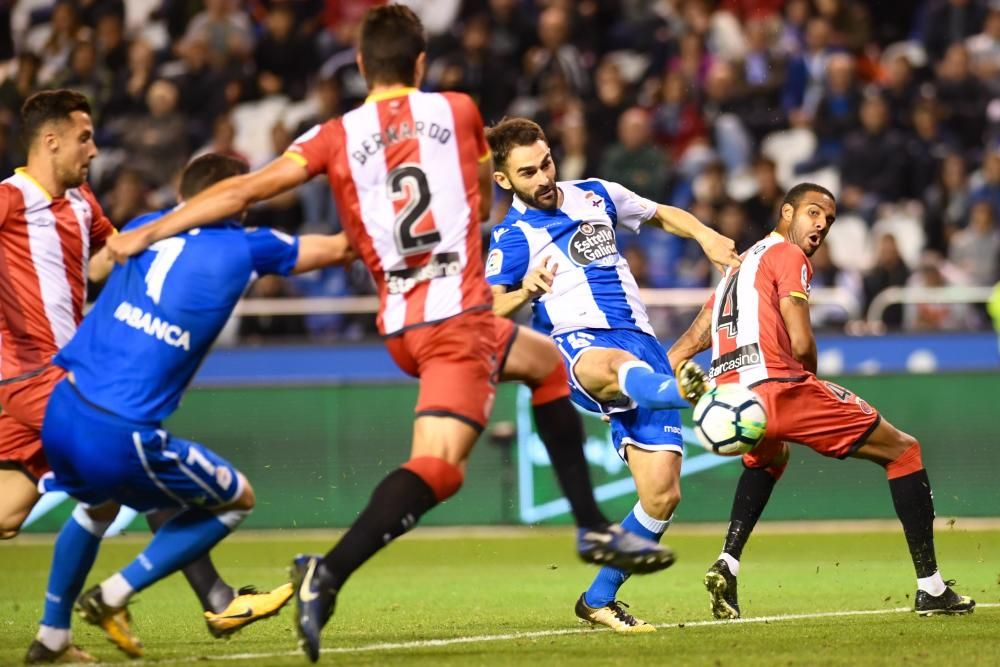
729 420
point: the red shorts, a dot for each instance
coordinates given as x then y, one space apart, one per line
456 361
816 413
24 403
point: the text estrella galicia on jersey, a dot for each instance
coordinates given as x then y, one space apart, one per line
592 243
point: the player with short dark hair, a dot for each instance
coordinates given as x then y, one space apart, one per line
757 324
557 248
411 175
125 371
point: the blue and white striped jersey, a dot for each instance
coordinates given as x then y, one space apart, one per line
593 286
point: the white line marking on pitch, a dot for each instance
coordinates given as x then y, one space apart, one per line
450 641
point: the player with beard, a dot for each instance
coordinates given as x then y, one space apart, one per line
757 324
556 248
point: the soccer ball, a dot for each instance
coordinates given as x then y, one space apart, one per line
729 420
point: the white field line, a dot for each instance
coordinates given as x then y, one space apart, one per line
452 641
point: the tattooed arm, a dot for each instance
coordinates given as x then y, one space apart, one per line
697 338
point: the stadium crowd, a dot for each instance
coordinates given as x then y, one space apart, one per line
714 106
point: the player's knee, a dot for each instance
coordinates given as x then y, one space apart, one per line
10 525
444 478
661 505
247 498
9 533
553 386
908 461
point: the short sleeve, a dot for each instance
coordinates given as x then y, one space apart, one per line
313 148
468 117
790 270
631 209
272 251
100 226
4 204
507 261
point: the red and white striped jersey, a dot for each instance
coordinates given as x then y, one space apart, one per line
750 342
45 244
403 170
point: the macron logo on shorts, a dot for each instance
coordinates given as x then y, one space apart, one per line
135 317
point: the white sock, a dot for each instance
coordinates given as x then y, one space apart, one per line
658 526
734 565
54 639
933 584
116 590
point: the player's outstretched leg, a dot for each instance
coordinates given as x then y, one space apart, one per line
72 557
899 453
762 469
226 609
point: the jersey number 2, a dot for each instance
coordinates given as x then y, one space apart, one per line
409 182
729 313
167 251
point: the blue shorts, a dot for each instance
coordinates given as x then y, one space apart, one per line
96 456
630 425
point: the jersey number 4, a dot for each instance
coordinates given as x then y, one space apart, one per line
408 183
729 313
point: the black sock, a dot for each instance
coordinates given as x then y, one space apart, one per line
213 592
396 505
752 493
561 431
911 496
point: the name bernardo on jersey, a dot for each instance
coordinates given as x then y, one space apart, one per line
393 134
593 243
138 319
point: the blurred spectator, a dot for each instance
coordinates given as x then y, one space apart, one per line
18 87
849 22
283 212
827 274
935 316
283 59
342 67
762 76
554 55
837 110
724 111
157 143
793 29
635 161
900 90
984 49
693 61
473 70
512 33
109 37
128 92
222 141
963 98
86 76
56 39
949 22
989 189
710 188
259 328
807 70
946 202
926 147
677 120
226 30
574 156
612 99
873 160
889 271
763 208
733 223
128 198
976 249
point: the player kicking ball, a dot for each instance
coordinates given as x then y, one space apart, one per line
127 367
757 324
557 249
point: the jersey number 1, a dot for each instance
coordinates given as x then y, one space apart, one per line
409 182
729 313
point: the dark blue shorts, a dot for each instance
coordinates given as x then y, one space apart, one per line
96 456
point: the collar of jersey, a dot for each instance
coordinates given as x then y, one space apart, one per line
23 171
391 93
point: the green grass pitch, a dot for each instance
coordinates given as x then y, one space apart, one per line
507 598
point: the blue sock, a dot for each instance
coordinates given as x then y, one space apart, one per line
186 537
72 557
650 390
604 588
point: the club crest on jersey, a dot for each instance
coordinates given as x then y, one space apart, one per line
592 244
594 200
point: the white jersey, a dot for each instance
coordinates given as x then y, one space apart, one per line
593 286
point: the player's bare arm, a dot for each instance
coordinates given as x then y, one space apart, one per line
720 250
697 338
224 199
537 282
795 313
317 251
100 265
484 174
